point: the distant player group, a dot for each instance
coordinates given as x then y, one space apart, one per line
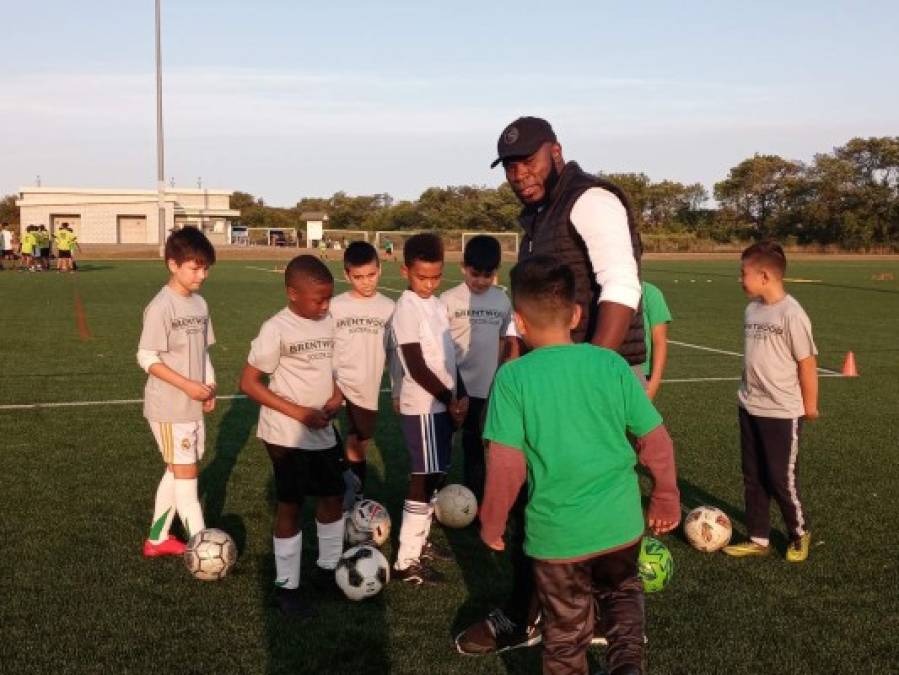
34 251
564 422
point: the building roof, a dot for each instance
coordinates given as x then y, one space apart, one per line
313 215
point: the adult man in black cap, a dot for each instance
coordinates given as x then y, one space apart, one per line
586 223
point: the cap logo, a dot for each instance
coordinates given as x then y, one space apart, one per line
510 136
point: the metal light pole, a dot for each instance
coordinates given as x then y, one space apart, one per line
160 158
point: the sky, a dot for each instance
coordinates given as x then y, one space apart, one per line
292 99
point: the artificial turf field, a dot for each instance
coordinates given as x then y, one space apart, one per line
77 485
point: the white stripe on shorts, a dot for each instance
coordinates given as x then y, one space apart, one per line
791 478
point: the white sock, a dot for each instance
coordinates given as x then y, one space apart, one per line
330 543
188 505
430 517
287 560
164 510
413 532
761 541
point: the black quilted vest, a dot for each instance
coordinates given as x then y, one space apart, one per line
548 231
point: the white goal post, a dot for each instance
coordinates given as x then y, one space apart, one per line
344 236
508 241
272 236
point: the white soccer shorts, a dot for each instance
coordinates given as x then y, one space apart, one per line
180 442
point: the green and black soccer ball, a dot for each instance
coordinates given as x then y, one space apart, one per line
655 565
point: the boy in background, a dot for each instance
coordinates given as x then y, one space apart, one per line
361 332
294 351
656 317
428 402
559 417
26 249
173 350
64 241
479 316
778 391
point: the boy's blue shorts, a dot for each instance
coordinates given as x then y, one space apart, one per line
429 438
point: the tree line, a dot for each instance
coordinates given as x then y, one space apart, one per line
847 198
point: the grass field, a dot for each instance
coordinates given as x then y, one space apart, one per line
77 483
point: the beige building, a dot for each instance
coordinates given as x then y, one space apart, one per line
104 216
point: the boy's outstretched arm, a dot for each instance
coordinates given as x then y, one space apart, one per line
506 473
655 451
252 385
808 385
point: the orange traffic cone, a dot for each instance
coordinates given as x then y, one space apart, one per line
849 369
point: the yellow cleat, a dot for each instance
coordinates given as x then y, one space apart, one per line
746 549
797 551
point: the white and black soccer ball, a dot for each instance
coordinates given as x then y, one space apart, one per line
362 572
210 554
707 528
368 521
456 506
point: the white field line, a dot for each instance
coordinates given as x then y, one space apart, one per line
823 371
230 397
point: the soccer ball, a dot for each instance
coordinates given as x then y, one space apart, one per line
456 506
707 528
362 572
368 521
655 565
210 554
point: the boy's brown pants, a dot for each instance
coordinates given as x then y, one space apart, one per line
566 592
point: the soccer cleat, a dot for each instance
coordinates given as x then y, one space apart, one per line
435 552
496 634
746 549
797 551
170 546
417 574
292 605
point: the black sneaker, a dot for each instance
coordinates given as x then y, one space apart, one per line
292 604
417 574
434 552
496 634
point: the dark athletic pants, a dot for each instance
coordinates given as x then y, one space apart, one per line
474 469
566 592
770 453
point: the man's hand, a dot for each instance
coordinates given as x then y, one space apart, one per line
811 415
652 388
198 391
396 406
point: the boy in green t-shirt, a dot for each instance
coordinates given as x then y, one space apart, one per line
559 417
656 317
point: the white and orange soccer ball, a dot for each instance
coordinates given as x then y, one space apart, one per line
456 506
707 528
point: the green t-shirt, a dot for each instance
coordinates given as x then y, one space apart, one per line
569 408
655 311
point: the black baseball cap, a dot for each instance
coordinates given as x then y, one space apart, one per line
522 138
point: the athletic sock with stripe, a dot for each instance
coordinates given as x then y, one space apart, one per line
287 560
413 533
188 505
164 510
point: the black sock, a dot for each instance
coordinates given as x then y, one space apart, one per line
360 470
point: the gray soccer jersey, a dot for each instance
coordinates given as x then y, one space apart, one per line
477 322
297 354
777 337
361 330
179 329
